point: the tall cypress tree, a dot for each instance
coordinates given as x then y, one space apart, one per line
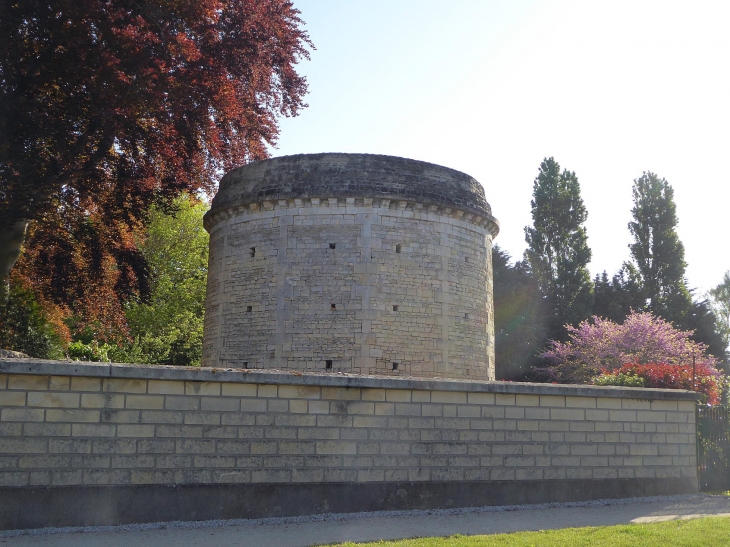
558 251
657 250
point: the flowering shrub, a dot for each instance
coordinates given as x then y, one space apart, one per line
708 379
604 345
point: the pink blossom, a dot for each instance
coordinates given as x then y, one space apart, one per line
642 338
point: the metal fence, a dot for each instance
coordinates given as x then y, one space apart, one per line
713 447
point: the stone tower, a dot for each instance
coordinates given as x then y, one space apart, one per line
351 262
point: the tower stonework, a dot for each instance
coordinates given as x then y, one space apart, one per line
356 263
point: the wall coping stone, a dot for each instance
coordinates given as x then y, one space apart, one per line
162 372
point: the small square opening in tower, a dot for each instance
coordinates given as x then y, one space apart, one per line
395 307
395 366
397 248
466 316
272 355
249 309
328 363
245 364
333 306
466 259
252 251
333 245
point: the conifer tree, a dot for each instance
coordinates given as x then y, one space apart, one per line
702 321
720 303
618 297
519 317
657 250
558 251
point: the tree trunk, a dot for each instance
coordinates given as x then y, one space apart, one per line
11 241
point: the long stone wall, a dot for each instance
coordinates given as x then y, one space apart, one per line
108 444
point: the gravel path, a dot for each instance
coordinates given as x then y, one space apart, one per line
307 531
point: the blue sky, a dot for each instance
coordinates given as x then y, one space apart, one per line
610 89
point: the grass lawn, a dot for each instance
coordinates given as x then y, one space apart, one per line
702 532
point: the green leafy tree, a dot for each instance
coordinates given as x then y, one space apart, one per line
168 329
657 250
558 251
520 317
719 301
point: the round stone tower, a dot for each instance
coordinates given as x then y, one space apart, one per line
351 262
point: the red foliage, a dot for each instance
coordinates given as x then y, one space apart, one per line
108 106
708 379
86 271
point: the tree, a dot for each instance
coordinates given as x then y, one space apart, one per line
520 316
168 329
720 303
605 345
659 257
558 251
617 298
109 107
25 325
657 250
702 323
80 269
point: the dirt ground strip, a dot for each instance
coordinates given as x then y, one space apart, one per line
307 531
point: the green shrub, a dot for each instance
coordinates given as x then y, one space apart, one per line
620 379
93 351
24 325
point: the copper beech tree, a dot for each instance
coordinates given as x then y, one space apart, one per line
109 106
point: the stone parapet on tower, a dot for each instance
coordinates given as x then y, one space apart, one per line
351 262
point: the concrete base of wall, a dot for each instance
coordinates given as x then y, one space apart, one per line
37 507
